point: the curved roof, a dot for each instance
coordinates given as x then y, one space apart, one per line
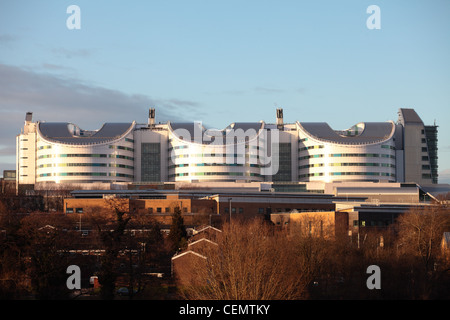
208 136
68 133
373 132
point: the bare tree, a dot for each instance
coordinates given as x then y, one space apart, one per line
252 261
421 230
111 233
45 241
420 236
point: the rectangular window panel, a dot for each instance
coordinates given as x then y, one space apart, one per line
151 162
284 170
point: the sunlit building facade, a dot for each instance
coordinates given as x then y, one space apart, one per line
55 154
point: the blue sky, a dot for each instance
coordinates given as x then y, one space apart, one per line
222 61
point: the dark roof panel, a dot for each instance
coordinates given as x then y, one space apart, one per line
373 132
409 116
180 128
64 132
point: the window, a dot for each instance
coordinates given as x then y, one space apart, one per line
79 210
151 162
285 163
167 210
241 210
69 210
233 210
159 210
260 210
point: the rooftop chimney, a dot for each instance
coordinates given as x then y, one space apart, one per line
29 117
279 118
151 117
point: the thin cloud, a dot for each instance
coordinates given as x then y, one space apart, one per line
267 90
6 38
56 98
55 67
69 54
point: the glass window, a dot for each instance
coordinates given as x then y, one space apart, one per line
150 162
284 163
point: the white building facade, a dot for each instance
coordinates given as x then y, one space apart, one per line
62 153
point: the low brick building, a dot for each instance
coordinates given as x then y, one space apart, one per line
194 211
321 224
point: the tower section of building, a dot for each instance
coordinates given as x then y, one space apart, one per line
64 153
419 143
67 154
365 152
200 154
151 153
26 155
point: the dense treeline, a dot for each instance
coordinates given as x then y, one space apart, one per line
36 250
253 259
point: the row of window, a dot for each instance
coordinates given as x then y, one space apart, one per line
368 155
311 147
349 164
204 155
114 165
186 174
345 155
88 174
85 155
186 147
321 174
166 210
382 174
183 165
111 146
121 148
